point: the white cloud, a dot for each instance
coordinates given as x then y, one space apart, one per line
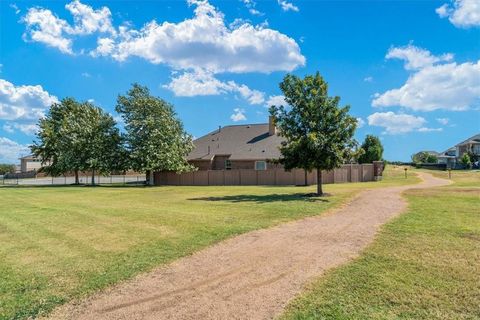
238 115
461 13
10 150
250 5
443 121
396 123
88 21
448 86
206 42
45 27
200 83
275 101
86 75
23 102
424 129
15 7
360 123
416 58
287 6
27 128
368 79
433 85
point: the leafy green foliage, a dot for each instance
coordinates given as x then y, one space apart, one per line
424 157
319 133
155 139
373 150
7 168
76 137
466 161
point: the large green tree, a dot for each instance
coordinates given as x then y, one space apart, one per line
318 133
373 150
49 141
155 137
75 137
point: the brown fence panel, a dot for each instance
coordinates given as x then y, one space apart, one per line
173 179
367 172
186 179
312 177
266 177
299 177
248 177
327 177
340 175
200 178
284 178
354 173
216 177
232 177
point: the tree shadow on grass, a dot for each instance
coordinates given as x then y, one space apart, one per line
264 198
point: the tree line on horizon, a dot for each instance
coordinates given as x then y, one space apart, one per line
79 136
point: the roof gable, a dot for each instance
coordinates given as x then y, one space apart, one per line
241 142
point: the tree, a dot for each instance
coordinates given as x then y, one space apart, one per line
155 138
75 137
56 158
424 157
466 161
373 150
90 138
6 168
318 133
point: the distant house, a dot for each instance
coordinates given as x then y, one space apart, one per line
30 163
247 146
451 157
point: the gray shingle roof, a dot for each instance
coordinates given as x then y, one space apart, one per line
474 139
241 142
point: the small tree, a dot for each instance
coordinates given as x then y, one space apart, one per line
155 138
373 150
466 162
424 157
318 133
6 168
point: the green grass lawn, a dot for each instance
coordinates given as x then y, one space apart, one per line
423 265
62 243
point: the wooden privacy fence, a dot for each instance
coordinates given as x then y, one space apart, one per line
274 176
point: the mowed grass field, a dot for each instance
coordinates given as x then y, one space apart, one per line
423 265
63 243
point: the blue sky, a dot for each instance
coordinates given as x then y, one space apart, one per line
410 70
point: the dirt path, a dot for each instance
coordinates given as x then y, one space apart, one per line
252 276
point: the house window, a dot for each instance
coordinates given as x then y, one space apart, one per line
228 165
260 165
476 149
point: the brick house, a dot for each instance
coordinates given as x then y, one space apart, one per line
247 146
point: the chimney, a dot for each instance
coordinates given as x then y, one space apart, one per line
272 129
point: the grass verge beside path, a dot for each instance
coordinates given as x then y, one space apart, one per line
423 265
63 243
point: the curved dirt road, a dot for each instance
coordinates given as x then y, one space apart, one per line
252 276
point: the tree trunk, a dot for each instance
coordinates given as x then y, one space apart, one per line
306 177
319 182
76 177
93 177
147 178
